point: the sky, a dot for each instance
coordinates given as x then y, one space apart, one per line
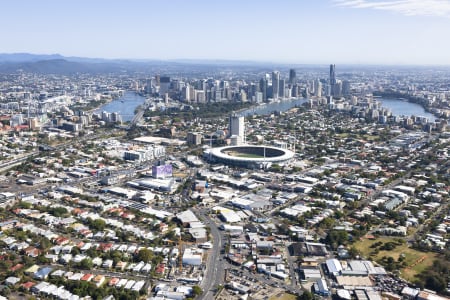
392 32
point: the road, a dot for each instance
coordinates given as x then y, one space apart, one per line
215 271
16 161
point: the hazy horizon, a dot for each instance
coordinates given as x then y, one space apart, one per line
345 32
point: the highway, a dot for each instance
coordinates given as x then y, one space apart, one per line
16 161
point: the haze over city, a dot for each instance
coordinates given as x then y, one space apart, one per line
307 32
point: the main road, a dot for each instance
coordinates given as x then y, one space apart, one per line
215 272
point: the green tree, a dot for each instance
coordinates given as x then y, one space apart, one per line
435 282
336 237
306 295
86 264
196 290
97 224
145 255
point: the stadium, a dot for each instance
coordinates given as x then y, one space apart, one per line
250 156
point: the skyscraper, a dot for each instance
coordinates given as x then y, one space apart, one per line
292 76
237 128
332 74
281 87
275 84
332 78
318 88
164 84
346 87
263 88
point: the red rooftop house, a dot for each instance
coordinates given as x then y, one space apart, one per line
87 277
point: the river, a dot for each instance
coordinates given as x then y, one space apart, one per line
400 107
125 105
270 107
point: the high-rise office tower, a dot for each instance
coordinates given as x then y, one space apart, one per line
332 74
237 128
292 76
186 93
275 84
164 84
332 78
345 87
263 88
318 88
337 89
281 87
295 92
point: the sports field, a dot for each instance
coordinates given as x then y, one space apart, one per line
245 155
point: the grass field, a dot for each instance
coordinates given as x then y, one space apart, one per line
245 155
416 261
284 296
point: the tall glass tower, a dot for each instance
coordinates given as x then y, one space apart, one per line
332 79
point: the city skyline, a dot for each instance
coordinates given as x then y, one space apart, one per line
317 32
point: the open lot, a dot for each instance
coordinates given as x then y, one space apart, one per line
283 296
415 261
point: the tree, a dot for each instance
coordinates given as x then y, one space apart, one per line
306 295
97 224
86 264
353 252
44 243
145 255
196 290
58 211
336 238
435 282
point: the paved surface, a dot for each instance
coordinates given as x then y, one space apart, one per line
215 271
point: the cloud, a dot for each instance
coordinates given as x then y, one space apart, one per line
439 8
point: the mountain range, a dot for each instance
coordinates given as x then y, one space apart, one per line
59 64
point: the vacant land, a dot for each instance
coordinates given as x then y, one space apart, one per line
284 296
412 262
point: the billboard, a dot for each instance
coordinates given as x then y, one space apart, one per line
162 171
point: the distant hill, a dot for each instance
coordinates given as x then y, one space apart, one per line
59 66
26 57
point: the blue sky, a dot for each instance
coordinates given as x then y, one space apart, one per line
295 31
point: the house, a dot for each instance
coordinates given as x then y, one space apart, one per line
121 265
61 241
43 273
107 264
16 267
9 224
28 285
105 247
97 261
31 270
163 227
113 281
98 280
12 280
32 252
87 277
160 269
